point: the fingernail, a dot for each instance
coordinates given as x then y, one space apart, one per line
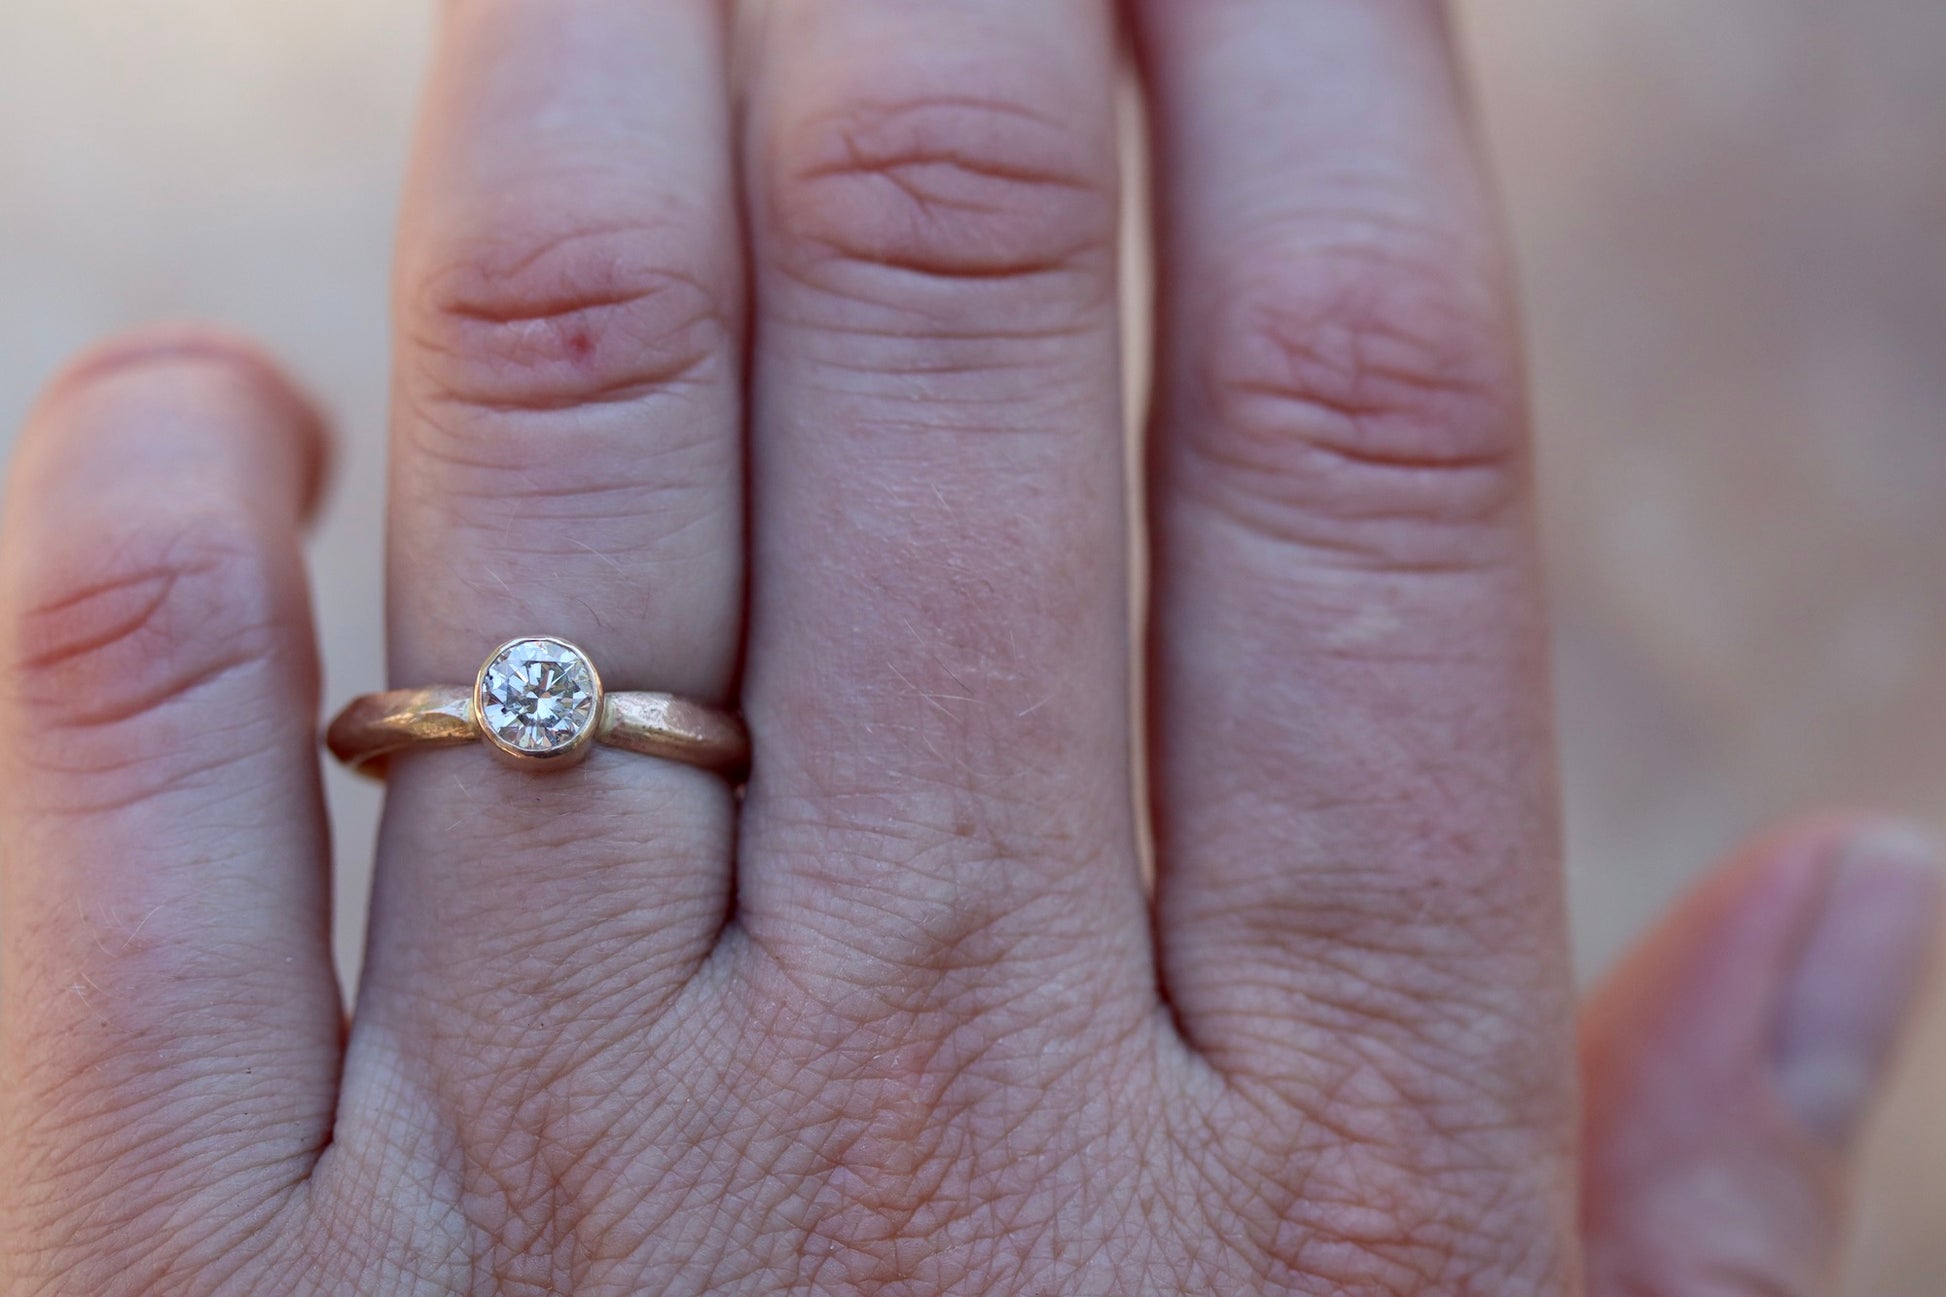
1857 977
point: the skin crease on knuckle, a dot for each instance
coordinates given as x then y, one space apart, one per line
564 330
964 218
135 624
1362 400
552 310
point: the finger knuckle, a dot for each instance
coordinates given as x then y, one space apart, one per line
1378 1195
1461 1021
1351 389
537 350
116 639
541 312
891 1140
882 198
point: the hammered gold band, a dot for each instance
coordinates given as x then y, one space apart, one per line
560 714
376 726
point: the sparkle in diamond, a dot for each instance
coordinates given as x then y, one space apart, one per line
538 696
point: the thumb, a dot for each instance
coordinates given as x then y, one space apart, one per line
1728 1062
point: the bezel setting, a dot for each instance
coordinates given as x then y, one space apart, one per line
555 742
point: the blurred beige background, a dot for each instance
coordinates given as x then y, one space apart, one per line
1732 219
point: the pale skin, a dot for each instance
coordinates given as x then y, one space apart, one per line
791 381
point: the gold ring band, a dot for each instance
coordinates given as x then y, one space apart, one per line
539 703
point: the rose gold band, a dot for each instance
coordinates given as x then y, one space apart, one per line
376 726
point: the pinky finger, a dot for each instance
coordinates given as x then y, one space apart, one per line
1730 1060
169 1019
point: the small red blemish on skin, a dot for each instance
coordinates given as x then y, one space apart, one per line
580 344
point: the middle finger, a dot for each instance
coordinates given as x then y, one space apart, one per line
939 643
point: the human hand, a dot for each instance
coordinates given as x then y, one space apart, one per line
903 1019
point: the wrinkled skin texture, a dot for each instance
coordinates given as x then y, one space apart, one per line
909 1018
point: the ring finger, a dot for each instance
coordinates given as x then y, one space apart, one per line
566 461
